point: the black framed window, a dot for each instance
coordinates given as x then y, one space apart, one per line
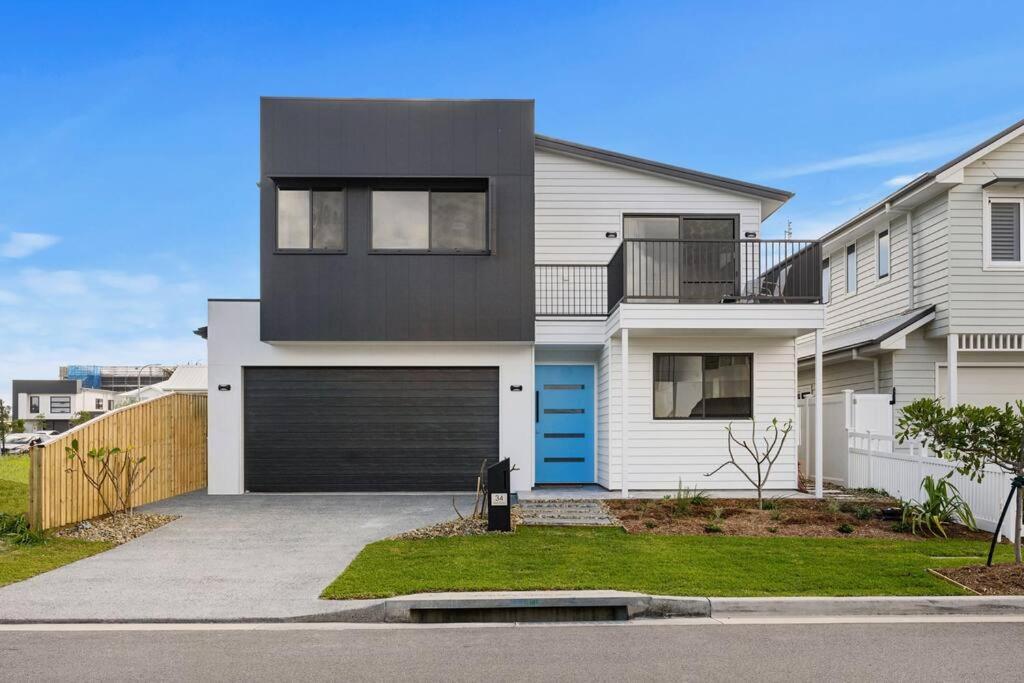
33 405
110 404
689 386
851 269
60 404
883 254
99 404
310 219
429 220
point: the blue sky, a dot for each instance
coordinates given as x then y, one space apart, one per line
129 146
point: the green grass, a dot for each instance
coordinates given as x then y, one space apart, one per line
14 484
538 558
19 562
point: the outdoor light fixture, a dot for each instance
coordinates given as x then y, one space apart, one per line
611 235
223 387
750 235
516 387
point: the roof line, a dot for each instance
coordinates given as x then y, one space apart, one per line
922 313
618 159
921 180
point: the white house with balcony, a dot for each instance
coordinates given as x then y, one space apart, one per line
925 289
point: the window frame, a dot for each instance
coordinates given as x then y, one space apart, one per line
309 186
855 280
988 199
887 232
702 356
38 402
54 411
448 187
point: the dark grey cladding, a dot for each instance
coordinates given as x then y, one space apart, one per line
362 296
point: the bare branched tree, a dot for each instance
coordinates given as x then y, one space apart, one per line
772 441
120 474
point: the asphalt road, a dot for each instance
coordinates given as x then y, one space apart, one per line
677 650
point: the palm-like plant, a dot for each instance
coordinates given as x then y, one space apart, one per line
942 504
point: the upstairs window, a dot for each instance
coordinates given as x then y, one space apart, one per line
1004 234
851 269
310 220
33 405
430 221
60 404
883 254
826 280
99 404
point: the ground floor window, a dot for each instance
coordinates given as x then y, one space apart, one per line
691 386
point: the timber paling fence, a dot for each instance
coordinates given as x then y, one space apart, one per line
170 431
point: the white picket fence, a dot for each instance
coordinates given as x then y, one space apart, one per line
877 461
841 413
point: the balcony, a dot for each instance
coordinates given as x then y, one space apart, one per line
673 271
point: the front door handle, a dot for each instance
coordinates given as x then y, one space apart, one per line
536 406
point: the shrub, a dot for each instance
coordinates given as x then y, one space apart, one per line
900 527
864 513
16 530
713 528
773 529
833 506
770 504
776 515
942 505
845 528
650 524
687 497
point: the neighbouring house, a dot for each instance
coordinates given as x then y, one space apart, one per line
189 379
441 287
51 404
936 310
117 378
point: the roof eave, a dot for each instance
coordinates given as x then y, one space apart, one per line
658 168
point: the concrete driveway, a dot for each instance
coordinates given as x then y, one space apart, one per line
228 557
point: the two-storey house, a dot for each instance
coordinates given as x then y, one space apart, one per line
936 309
441 287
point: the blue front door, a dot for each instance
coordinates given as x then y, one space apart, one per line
565 424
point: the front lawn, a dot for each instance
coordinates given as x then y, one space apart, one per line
18 562
551 558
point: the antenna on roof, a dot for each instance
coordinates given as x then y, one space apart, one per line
789 230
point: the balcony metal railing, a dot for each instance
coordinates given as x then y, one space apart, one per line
684 271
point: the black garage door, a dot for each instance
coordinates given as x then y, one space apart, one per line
369 429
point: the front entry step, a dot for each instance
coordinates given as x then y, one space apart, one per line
565 513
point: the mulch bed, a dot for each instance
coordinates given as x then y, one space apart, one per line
792 517
117 529
466 526
999 579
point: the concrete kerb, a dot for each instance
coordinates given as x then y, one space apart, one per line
638 605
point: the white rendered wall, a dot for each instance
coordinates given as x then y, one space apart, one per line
234 343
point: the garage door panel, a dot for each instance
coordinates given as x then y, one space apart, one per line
369 429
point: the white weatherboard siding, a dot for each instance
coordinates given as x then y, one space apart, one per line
858 376
579 200
931 260
663 452
234 343
983 300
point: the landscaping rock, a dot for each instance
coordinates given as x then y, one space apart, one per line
116 529
466 526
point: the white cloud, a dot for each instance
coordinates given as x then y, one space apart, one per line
22 244
900 180
9 298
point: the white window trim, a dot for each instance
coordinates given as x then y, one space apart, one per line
878 261
986 230
846 268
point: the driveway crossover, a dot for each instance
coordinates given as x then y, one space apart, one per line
227 557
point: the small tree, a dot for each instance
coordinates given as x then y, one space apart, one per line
773 440
116 467
80 418
5 426
39 422
973 437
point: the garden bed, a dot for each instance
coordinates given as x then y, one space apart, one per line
115 529
999 579
788 517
